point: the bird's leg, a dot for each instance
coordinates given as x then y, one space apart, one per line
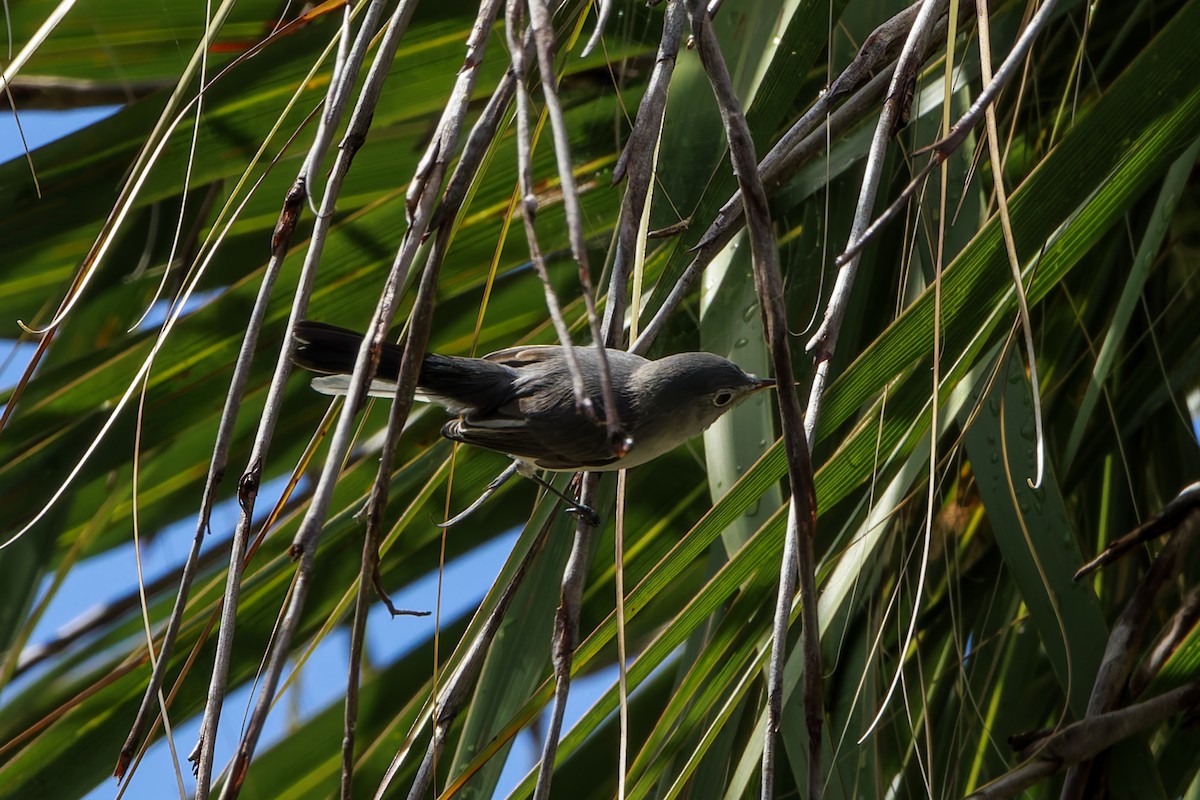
587 513
497 482
524 468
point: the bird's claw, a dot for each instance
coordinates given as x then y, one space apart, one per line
586 513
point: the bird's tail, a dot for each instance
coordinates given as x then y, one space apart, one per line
460 385
330 350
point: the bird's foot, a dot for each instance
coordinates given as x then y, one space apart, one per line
585 513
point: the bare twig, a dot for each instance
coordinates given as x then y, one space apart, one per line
639 151
653 104
566 620
864 80
493 486
801 528
406 384
1086 738
1171 517
636 162
431 169
941 150
313 520
280 244
368 569
1122 649
566 634
823 344
519 53
603 10
346 66
482 136
542 28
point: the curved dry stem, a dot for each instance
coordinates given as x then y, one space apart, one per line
637 164
1010 245
824 342
1086 739
520 47
603 10
566 635
941 150
863 82
430 171
540 25
314 519
280 243
801 529
460 683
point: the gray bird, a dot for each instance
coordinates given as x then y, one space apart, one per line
520 401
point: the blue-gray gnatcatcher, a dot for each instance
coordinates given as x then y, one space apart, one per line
521 402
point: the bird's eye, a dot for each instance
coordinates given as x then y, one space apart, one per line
722 398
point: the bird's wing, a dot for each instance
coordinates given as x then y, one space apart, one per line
576 443
517 357
541 423
473 386
620 362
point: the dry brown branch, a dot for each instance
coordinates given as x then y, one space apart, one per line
1087 738
802 511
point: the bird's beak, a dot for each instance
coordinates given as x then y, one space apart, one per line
766 383
763 383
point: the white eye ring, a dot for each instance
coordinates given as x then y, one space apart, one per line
723 398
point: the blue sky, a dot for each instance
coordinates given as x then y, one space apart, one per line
113 574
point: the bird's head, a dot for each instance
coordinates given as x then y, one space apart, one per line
692 390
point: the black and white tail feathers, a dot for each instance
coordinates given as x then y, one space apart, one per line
460 385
